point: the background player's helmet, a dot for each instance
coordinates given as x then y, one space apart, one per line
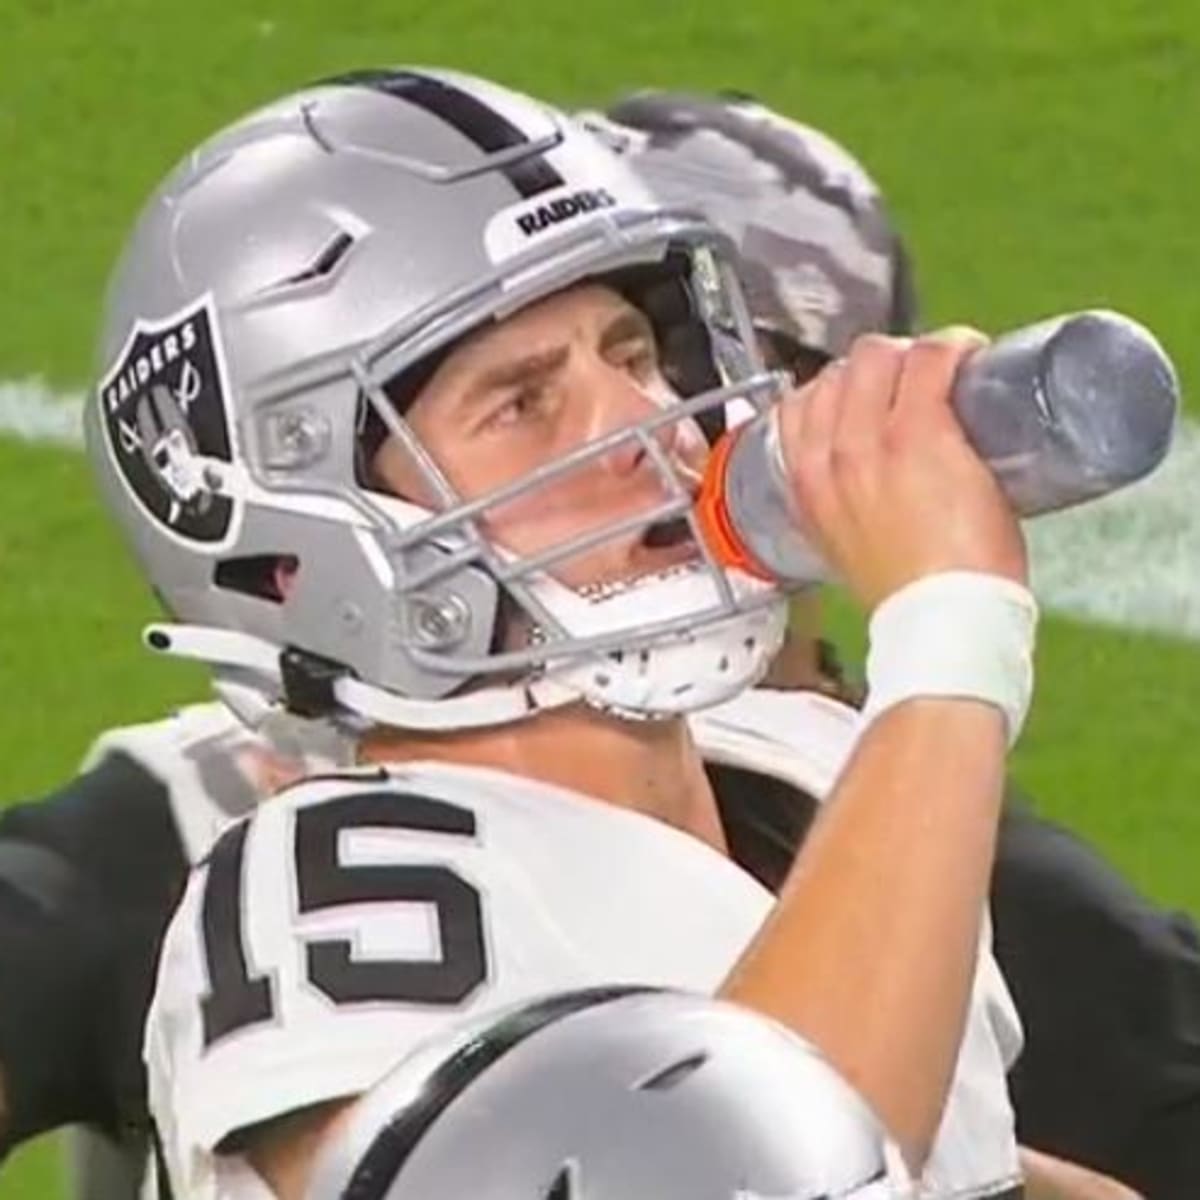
286 292
611 1095
821 261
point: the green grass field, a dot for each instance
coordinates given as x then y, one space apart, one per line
1039 157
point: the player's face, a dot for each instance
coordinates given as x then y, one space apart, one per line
524 392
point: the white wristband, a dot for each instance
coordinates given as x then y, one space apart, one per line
959 633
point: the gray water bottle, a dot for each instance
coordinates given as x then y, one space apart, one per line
1068 409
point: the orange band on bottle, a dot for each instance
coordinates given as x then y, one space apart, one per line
712 513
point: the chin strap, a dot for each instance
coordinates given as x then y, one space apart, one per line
261 679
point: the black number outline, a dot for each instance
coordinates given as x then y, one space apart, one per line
237 999
323 882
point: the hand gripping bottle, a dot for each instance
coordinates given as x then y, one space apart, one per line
1069 409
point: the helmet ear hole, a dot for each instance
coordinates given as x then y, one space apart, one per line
264 576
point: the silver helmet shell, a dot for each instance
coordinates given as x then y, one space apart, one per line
612 1094
283 288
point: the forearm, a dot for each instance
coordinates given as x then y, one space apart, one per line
1050 1178
870 952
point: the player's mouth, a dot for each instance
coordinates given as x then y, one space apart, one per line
662 535
661 549
664 543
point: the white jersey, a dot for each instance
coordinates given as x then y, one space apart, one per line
801 738
352 918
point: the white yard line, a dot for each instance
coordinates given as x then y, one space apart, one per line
1131 560
31 411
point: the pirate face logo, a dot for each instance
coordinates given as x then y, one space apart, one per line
165 413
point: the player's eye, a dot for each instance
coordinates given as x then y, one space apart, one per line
528 403
637 356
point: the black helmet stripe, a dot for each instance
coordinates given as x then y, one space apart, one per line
387 1154
489 130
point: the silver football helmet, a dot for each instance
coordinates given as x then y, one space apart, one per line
613 1094
285 293
821 260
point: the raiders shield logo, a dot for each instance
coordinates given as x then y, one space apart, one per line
164 404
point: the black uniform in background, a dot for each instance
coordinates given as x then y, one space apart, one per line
88 880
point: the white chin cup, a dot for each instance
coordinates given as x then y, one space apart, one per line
682 673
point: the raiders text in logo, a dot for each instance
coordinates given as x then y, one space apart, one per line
563 209
163 405
158 355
